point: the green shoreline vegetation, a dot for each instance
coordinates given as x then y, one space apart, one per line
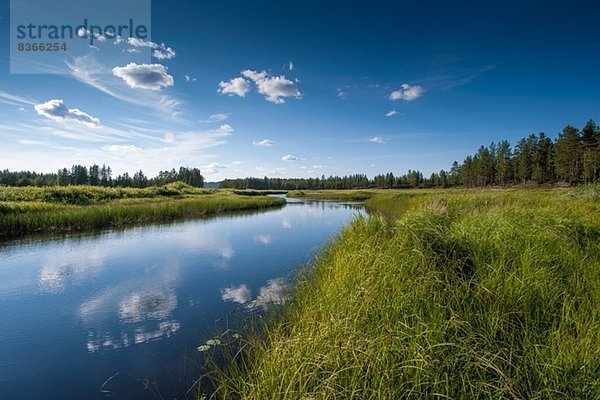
26 210
439 294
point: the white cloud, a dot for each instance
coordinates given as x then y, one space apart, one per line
190 79
264 143
160 51
254 75
274 88
377 139
372 165
319 166
215 118
407 93
391 113
123 149
128 149
57 111
164 54
84 33
87 70
342 94
289 157
213 168
12 99
144 76
236 86
291 66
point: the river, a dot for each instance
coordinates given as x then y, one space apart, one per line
120 313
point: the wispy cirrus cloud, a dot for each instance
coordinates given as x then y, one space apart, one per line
215 118
12 99
89 71
264 143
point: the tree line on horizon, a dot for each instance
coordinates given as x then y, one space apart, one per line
573 157
100 176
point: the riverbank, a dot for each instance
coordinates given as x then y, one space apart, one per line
452 294
65 209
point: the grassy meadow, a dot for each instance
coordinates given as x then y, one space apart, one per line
74 208
456 294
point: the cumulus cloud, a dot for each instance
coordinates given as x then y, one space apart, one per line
160 51
407 92
289 157
264 143
377 139
144 76
391 113
84 33
274 88
236 86
57 111
164 54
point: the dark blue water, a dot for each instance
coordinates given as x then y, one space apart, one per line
120 314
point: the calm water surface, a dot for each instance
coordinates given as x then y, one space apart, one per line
134 304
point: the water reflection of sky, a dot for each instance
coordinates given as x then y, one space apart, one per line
78 309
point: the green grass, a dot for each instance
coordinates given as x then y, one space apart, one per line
453 294
340 195
64 209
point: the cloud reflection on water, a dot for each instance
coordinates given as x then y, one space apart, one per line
56 275
274 292
143 307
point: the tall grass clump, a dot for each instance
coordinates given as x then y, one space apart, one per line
75 209
347 195
453 294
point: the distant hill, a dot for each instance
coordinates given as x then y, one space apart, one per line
212 185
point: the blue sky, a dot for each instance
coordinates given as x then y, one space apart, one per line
297 89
